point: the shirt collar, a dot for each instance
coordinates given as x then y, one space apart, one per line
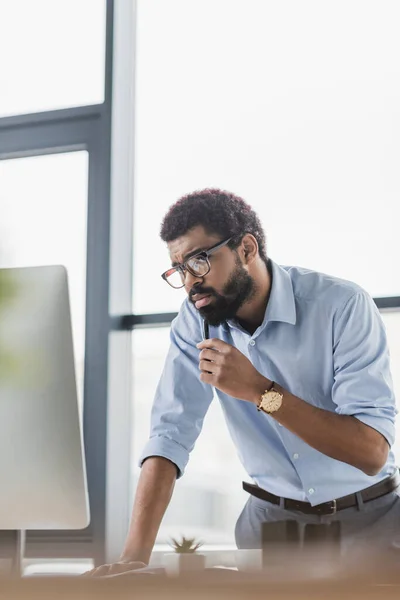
281 304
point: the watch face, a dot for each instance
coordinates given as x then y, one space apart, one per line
272 401
275 400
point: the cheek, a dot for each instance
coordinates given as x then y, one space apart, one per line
213 283
218 277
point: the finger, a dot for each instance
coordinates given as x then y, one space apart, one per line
208 354
119 569
98 572
206 366
213 343
206 378
122 567
132 567
90 573
137 564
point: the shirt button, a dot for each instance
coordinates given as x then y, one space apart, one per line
311 491
280 424
252 343
295 456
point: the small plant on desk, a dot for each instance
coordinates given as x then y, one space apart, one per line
185 558
186 545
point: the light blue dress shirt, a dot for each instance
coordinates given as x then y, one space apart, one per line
323 339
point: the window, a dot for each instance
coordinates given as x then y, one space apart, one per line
55 202
52 54
210 491
392 323
293 106
43 203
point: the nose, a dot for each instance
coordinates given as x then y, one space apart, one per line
191 280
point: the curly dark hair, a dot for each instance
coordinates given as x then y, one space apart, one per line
219 212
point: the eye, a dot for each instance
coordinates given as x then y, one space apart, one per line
197 262
198 265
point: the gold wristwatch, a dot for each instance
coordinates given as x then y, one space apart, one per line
271 400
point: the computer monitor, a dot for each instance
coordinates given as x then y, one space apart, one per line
42 466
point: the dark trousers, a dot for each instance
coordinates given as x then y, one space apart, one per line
367 529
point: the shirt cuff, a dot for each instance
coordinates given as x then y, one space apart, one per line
167 448
385 427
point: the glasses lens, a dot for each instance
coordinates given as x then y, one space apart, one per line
174 278
198 266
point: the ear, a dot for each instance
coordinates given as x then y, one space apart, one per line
249 248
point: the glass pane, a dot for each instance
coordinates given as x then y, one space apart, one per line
208 499
43 207
52 54
274 109
392 323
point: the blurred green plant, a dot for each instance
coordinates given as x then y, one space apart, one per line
8 294
185 546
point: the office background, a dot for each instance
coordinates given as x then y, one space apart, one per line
111 110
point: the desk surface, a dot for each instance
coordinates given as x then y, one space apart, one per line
208 586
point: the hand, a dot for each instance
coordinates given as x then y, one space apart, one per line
227 369
115 568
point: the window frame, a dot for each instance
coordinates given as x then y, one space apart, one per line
106 132
59 131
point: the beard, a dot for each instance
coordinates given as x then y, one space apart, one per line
239 289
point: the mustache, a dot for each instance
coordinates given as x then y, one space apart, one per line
200 291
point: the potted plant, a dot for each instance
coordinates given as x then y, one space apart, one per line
185 558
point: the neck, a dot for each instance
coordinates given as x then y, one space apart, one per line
251 314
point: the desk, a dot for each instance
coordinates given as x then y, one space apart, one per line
207 587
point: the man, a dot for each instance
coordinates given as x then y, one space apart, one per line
300 363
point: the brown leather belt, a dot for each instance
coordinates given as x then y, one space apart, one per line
327 508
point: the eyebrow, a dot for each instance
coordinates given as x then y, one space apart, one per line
187 256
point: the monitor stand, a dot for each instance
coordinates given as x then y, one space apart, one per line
12 548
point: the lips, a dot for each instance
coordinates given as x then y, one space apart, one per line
201 301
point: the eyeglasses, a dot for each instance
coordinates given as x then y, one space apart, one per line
197 265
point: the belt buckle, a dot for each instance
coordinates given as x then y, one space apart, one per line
333 507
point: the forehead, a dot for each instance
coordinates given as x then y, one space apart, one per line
194 240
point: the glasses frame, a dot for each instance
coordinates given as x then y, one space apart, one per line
184 266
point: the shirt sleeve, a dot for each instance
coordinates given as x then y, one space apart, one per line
181 400
363 384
